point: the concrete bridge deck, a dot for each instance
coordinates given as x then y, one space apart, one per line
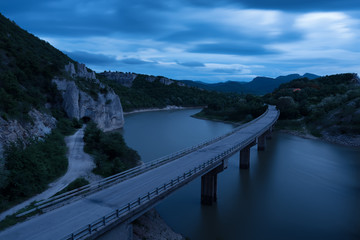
62 222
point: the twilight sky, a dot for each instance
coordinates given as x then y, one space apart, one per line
206 40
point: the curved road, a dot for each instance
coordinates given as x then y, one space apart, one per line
80 165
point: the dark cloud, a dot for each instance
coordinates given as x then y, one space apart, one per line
135 61
295 5
246 49
91 58
87 17
191 64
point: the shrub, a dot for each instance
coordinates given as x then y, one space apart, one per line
110 151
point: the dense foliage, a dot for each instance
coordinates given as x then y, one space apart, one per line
28 171
77 183
27 65
328 103
145 94
27 168
111 153
235 108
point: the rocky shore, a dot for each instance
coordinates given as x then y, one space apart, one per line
151 226
341 139
167 108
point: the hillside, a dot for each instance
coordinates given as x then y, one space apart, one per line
27 66
327 107
258 86
44 95
139 91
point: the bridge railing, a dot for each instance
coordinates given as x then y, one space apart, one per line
157 192
64 198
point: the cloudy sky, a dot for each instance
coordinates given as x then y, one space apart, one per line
206 40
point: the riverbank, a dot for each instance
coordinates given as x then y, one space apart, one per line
167 108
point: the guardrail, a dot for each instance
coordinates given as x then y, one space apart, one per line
157 192
64 198
161 190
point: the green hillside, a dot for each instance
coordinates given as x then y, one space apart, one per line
144 94
324 107
27 65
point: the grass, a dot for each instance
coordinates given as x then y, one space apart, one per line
77 183
13 219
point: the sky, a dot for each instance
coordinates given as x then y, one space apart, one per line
203 40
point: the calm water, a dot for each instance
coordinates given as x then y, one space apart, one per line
296 189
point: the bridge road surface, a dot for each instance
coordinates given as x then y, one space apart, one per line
60 222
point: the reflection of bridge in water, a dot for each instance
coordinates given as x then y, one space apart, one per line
114 203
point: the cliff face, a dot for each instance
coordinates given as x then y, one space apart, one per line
127 79
14 130
105 109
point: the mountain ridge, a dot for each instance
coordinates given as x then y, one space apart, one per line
259 85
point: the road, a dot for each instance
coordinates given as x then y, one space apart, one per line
80 165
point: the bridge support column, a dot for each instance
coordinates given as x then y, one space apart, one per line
209 185
262 142
269 133
245 156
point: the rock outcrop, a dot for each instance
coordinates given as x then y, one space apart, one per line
14 130
80 71
127 79
152 227
105 109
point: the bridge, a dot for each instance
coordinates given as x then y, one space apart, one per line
106 210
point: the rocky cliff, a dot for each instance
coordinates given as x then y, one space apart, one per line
13 130
105 108
127 79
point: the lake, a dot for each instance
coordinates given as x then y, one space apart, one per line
296 189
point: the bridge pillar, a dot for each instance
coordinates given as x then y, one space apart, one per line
245 156
269 133
262 142
209 186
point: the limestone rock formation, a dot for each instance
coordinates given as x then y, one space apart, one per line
14 130
127 79
79 71
105 110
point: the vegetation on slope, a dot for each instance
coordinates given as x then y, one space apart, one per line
145 94
29 170
27 65
110 151
330 103
235 108
77 183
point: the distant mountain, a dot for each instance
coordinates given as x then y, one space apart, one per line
259 85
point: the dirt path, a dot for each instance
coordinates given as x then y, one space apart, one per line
80 165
